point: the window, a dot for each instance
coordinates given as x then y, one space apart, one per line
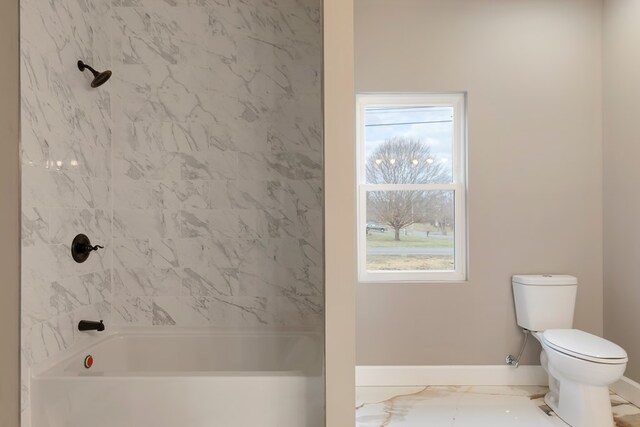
411 187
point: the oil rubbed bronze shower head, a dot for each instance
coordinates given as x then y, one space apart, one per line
98 78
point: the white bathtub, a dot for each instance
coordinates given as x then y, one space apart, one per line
185 380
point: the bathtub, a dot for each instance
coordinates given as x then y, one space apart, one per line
185 380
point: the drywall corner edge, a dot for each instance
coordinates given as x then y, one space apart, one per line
9 214
340 215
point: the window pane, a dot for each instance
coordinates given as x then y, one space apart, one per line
408 145
410 230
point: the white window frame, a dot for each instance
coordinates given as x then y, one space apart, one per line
458 102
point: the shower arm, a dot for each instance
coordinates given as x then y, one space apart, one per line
515 361
82 66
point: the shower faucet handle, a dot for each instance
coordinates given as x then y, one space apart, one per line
81 248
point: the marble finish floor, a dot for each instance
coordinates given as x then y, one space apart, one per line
468 406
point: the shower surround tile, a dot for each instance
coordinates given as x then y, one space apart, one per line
66 171
217 164
198 166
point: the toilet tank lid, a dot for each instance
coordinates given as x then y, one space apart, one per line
545 279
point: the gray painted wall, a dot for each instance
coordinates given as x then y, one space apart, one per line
621 178
9 216
532 70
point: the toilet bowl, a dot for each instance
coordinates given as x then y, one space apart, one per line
581 367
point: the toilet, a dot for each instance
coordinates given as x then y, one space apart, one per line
581 366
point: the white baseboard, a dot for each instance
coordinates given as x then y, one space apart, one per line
449 375
628 390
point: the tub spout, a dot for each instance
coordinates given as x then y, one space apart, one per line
90 325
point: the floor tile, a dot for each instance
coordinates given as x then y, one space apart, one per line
468 406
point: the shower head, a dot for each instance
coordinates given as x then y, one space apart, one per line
98 78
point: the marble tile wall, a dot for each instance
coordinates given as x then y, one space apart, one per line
198 166
66 173
217 175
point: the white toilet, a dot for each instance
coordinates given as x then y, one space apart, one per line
581 366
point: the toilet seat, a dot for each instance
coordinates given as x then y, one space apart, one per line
585 346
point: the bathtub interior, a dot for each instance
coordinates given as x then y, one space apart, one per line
232 354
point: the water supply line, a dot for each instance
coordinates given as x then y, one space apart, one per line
515 361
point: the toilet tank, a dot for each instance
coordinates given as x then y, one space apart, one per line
544 301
